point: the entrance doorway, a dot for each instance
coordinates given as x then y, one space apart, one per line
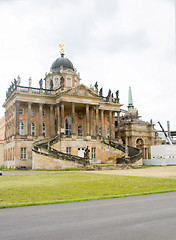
80 152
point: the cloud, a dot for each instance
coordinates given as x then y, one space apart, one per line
119 43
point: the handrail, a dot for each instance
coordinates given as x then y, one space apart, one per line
134 153
46 146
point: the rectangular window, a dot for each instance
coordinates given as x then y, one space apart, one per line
68 150
43 130
23 153
69 82
93 153
32 129
56 82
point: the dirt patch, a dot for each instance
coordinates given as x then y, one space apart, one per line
161 172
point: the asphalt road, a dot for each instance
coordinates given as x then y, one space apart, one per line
144 217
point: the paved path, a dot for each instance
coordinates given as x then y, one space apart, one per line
164 172
151 217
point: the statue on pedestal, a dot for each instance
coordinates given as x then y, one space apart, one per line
96 86
18 80
86 155
41 83
101 92
30 82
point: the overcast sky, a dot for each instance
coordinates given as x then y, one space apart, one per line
119 43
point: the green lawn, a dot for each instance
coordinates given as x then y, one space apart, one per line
58 187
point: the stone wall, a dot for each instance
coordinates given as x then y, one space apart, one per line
104 153
41 161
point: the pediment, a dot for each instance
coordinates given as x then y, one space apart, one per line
81 90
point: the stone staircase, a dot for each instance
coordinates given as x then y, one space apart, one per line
44 147
134 154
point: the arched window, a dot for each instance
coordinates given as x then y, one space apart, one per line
68 126
43 129
21 128
139 143
20 111
80 131
32 129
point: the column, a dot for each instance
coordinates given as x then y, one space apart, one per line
97 120
118 125
73 119
92 121
29 119
126 140
87 120
51 121
110 123
58 120
17 117
62 117
40 119
147 153
113 125
102 124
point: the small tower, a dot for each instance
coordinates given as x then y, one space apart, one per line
130 99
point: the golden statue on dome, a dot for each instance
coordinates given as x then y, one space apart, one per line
61 46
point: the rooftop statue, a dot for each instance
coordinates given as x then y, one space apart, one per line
109 93
96 86
41 83
101 92
18 80
30 82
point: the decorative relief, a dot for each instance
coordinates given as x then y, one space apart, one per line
80 92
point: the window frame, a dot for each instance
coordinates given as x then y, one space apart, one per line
21 111
68 150
80 131
32 112
80 117
43 129
93 152
43 113
23 153
21 128
32 129
69 80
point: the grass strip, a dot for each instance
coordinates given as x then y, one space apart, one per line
39 189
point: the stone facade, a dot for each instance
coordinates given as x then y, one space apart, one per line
137 133
2 130
64 107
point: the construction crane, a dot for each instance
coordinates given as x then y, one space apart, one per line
167 137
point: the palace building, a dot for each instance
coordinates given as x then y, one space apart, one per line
52 126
